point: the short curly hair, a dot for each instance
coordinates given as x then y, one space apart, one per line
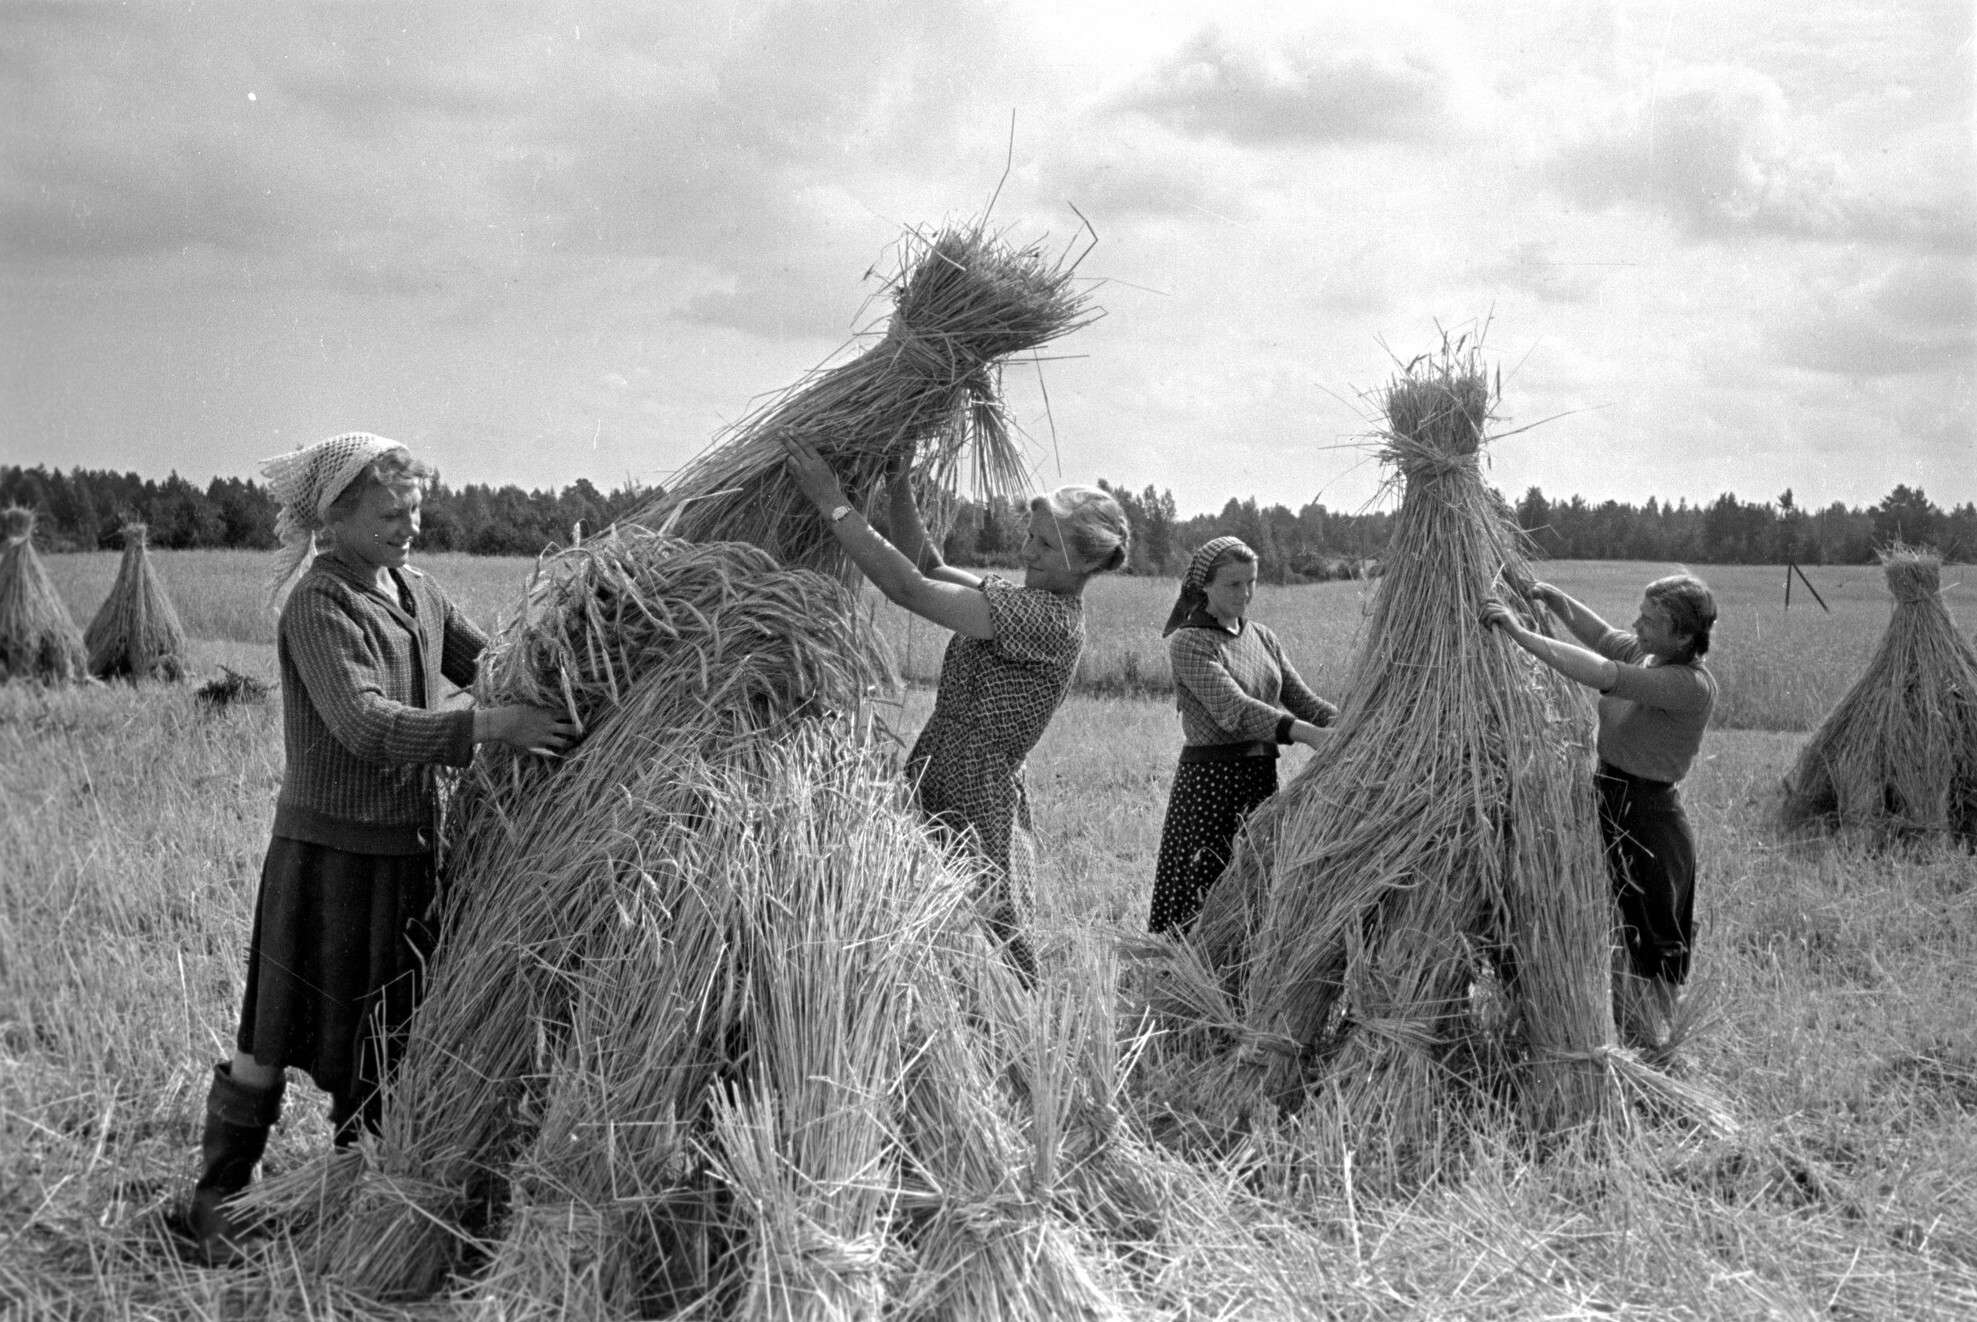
393 468
1691 608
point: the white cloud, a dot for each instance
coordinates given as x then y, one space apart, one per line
1718 149
1915 317
1313 85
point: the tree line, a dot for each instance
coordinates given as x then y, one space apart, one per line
84 509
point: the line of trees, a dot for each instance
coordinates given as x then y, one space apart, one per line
1317 543
83 509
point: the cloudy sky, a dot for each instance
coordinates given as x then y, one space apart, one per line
1720 246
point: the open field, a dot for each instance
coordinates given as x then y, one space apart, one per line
1836 983
1778 668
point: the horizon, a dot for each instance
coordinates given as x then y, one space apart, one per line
1181 516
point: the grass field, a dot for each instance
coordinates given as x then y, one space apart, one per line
1836 983
1778 668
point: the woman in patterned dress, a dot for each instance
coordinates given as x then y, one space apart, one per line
1005 672
1239 699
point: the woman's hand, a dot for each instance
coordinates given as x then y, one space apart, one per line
1496 615
1555 600
812 473
530 729
1314 737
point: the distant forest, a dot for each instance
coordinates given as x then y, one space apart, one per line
81 510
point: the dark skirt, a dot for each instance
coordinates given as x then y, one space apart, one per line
1651 859
337 961
1205 808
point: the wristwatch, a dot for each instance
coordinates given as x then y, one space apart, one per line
840 513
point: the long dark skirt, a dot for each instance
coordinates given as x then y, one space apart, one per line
1651 858
1205 808
336 962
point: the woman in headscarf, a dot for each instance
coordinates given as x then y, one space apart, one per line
1005 672
1239 699
343 920
1655 699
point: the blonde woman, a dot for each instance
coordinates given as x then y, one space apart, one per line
1006 670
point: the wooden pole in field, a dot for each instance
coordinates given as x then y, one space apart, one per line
1792 568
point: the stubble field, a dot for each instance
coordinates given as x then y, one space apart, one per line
1837 1020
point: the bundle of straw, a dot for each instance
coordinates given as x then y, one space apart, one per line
688 981
38 637
1897 756
676 1050
664 652
1445 843
136 633
927 391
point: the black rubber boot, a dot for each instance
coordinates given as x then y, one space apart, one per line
236 1133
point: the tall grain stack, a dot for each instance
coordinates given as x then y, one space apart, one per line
38 637
1896 758
714 1027
713 1024
1417 928
136 633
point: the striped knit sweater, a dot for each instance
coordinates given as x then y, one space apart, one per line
361 682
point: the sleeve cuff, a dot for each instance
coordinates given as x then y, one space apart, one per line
1284 724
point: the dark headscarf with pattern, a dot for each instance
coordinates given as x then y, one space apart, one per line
1210 556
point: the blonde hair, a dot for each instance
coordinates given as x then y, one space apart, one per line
1093 525
396 469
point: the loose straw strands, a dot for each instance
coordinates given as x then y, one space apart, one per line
136 633
1445 841
1897 756
928 390
38 637
666 653
675 1052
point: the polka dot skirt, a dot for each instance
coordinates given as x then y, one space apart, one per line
1207 804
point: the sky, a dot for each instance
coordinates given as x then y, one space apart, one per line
1709 247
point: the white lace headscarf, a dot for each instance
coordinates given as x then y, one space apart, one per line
305 482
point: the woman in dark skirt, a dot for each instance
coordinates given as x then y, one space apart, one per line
1655 700
1239 700
342 926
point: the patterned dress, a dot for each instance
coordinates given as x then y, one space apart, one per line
996 696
